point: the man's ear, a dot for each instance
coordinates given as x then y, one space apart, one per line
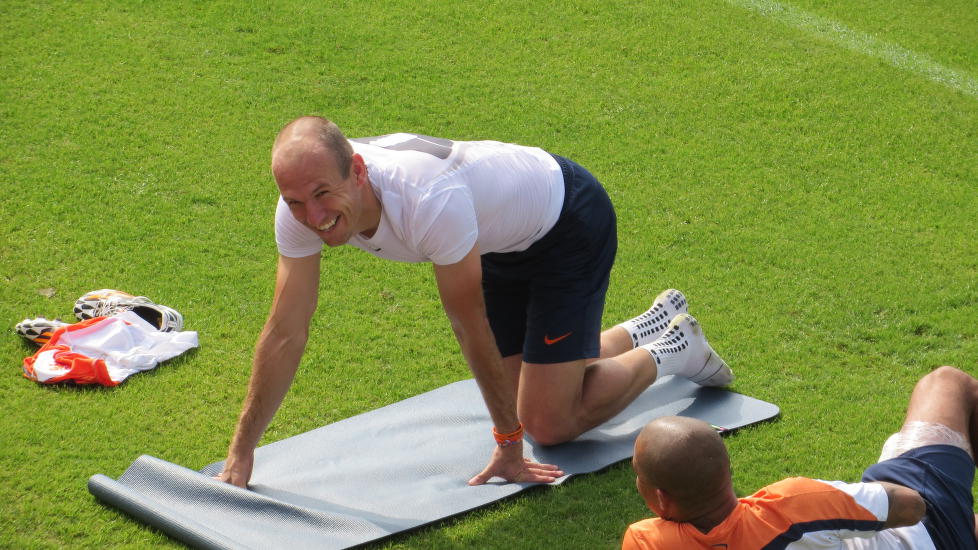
651 495
359 168
665 506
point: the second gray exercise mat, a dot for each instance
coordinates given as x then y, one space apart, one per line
384 471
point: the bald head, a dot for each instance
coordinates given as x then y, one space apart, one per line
682 456
311 136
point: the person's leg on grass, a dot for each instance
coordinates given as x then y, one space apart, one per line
947 397
933 454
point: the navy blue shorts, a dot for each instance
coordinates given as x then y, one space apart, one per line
546 302
943 475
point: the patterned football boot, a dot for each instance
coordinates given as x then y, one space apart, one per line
107 302
39 329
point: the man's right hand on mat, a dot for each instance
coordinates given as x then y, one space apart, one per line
509 464
237 471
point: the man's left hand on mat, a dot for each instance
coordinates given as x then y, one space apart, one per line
509 464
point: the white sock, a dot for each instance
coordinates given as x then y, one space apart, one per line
647 327
676 349
682 350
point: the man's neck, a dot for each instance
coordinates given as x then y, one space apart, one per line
371 210
714 513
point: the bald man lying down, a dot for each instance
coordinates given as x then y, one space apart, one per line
917 497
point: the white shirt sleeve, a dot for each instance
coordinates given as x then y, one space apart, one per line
871 496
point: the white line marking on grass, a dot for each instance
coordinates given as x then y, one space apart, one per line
863 43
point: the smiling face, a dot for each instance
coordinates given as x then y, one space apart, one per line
320 196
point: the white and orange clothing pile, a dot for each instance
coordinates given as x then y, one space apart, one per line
105 350
792 514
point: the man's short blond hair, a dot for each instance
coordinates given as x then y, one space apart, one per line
327 133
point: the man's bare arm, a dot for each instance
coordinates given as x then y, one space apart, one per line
460 287
907 507
277 355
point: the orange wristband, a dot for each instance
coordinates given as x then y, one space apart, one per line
512 438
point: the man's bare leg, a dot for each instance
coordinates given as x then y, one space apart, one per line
943 410
946 396
614 342
557 402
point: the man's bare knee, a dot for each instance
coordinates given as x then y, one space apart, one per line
550 431
947 377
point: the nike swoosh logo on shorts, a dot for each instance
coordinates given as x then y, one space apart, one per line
551 341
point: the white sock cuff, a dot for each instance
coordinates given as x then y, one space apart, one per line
648 326
668 355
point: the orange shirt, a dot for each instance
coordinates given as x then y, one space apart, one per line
800 512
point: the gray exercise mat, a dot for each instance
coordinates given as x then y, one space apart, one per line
385 471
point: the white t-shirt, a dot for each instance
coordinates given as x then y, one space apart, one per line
439 198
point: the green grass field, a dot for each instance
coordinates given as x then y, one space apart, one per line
804 171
